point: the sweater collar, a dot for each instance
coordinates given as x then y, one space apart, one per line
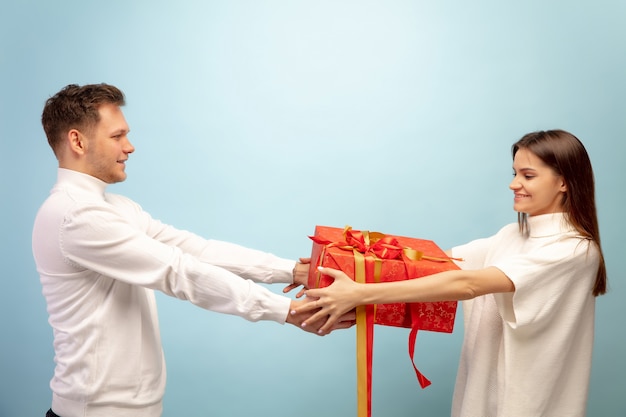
549 225
80 181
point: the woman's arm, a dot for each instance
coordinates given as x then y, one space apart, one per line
344 294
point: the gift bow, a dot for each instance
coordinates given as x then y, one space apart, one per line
377 244
381 246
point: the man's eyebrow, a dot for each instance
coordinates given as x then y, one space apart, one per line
120 132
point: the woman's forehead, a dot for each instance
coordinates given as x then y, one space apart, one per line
525 159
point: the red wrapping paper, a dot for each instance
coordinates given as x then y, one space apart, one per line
382 258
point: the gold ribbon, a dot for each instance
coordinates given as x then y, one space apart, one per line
363 382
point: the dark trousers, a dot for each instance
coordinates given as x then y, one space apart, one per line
50 413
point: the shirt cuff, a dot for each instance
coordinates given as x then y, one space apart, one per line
282 271
276 307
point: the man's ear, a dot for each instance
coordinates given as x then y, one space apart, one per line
76 141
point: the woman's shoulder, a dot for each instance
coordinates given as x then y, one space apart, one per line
510 229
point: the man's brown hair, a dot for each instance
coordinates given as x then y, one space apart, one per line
76 107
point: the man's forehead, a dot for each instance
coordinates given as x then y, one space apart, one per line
112 117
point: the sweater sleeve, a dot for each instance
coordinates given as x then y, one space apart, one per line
100 239
472 255
548 282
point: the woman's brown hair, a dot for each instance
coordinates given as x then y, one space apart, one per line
567 156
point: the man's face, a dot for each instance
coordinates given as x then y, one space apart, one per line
108 146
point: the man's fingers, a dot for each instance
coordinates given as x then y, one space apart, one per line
290 287
343 324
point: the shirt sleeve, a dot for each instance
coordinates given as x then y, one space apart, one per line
547 280
247 263
472 255
100 239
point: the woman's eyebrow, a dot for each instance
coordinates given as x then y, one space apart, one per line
524 169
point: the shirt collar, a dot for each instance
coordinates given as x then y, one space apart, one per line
549 225
80 181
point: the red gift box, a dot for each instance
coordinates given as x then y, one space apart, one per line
374 257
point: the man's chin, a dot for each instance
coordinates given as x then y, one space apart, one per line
116 179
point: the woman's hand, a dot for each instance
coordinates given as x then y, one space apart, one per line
333 301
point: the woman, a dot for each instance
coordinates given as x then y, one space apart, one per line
528 291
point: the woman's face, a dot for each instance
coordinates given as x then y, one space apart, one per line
537 188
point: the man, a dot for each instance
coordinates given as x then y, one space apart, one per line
100 256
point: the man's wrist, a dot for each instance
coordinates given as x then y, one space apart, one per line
301 273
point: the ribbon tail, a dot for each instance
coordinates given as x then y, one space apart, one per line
361 363
365 348
364 337
424 382
369 319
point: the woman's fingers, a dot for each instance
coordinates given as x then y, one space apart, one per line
328 307
320 315
305 307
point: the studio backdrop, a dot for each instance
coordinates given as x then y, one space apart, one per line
254 121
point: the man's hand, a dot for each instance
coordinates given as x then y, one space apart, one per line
300 277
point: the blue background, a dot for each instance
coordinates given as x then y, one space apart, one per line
256 120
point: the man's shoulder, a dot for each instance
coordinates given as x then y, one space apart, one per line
118 198
122 201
